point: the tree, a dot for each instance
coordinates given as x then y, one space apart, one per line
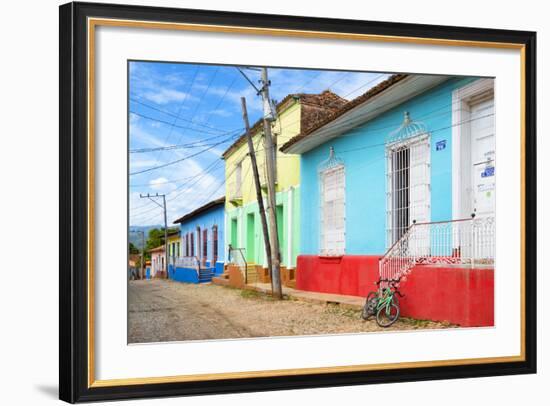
155 238
132 248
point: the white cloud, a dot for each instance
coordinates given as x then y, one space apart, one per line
183 197
180 197
165 96
220 112
157 183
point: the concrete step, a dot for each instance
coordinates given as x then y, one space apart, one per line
205 275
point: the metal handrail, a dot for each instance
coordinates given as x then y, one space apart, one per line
240 251
461 241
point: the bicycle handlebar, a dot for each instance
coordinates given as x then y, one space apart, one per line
391 283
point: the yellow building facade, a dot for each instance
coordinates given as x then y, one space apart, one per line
243 223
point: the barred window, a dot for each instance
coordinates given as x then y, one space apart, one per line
214 243
205 244
333 209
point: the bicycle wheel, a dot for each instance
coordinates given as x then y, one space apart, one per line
386 316
370 305
395 300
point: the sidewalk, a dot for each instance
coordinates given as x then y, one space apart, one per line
352 302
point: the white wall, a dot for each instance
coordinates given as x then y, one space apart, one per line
28 168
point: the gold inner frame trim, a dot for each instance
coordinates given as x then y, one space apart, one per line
94 22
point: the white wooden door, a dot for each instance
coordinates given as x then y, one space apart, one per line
482 131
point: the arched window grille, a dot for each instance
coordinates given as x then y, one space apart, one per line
407 178
332 196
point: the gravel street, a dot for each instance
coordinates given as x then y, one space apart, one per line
163 310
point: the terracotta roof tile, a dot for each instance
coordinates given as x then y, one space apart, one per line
315 107
321 121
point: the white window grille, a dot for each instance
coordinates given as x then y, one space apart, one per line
235 187
407 179
333 207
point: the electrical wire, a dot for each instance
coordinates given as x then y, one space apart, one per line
181 159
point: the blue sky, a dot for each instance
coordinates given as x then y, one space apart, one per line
197 108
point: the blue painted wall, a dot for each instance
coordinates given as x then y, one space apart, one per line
363 152
186 275
206 220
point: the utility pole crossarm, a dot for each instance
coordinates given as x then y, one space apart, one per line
163 207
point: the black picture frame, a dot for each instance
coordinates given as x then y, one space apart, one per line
73 255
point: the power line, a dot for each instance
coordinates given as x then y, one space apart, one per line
384 143
222 99
201 100
248 80
161 183
309 81
195 144
427 132
179 110
181 107
169 113
339 152
213 166
199 176
180 126
360 120
179 194
207 170
334 102
366 84
181 159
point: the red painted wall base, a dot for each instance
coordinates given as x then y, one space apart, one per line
458 295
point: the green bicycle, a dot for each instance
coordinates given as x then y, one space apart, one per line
384 303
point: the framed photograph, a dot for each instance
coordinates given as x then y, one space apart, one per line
259 202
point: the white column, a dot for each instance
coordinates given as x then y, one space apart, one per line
226 227
240 227
290 208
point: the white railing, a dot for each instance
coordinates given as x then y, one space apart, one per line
457 242
187 262
237 257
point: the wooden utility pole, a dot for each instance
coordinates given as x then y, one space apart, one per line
142 255
151 197
165 238
142 264
259 197
270 152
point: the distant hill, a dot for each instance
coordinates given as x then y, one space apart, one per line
135 238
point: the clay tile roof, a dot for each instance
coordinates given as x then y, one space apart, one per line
315 106
214 203
172 233
157 249
379 88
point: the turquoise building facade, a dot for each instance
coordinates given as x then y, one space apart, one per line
362 152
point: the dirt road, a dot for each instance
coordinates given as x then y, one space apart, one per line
161 310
